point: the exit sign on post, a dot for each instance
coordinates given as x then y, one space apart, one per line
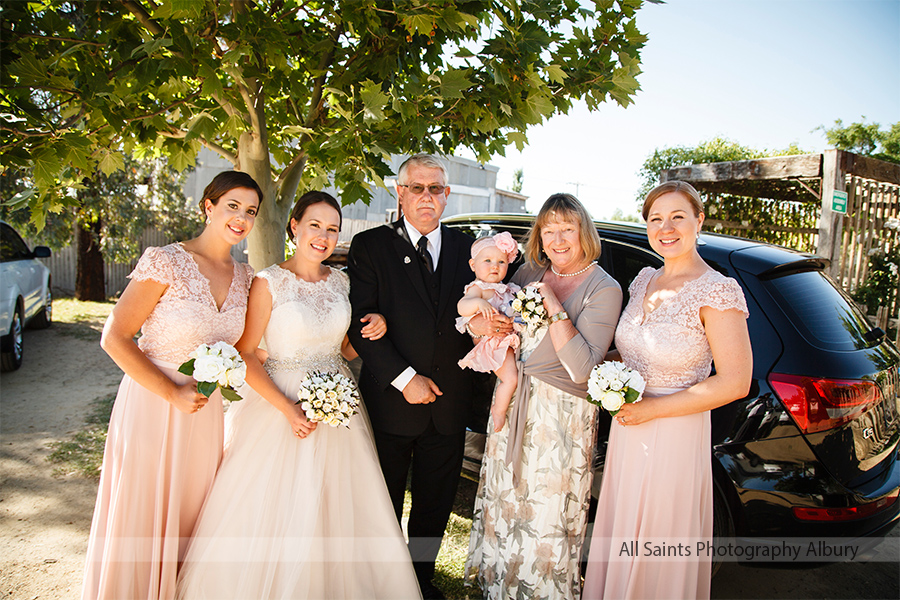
839 202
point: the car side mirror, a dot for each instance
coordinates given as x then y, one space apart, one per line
41 252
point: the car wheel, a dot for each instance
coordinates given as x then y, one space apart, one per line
11 353
44 319
723 528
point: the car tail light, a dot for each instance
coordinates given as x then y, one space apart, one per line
844 514
818 404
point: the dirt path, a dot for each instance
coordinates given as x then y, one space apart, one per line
45 519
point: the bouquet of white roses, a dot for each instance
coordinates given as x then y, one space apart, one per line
612 384
329 398
217 366
530 305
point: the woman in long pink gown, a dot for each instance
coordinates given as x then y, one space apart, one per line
165 439
657 483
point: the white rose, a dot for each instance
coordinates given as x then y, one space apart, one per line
225 349
237 375
615 385
202 350
331 395
594 388
207 368
636 382
612 400
320 394
305 407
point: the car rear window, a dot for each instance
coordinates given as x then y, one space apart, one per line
820 311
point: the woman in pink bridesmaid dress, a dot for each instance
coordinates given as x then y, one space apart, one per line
165 439
657 483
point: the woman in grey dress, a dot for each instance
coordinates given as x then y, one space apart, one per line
532 502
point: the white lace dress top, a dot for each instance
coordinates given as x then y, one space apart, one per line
319 315
669 346
186 314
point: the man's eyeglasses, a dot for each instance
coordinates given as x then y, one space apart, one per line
418 188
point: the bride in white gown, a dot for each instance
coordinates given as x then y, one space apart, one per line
298 511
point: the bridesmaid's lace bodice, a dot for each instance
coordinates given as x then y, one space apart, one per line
308 320
186 314
669 346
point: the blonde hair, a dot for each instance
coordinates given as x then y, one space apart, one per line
682 187
562 207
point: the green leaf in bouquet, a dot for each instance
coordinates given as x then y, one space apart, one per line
187 368
631 394
230 395
206 387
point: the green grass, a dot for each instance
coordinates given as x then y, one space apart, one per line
451 561
82 453
82 320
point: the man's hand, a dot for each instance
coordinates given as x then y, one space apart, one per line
421 390
499 326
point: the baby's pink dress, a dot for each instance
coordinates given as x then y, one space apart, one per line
490 351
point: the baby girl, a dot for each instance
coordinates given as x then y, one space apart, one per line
489 296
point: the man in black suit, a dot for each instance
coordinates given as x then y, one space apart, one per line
413 272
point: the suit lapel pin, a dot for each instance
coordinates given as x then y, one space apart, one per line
406 260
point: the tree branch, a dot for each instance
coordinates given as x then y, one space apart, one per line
135 8
290 176
179 134
315 99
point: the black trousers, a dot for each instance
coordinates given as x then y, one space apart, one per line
436 461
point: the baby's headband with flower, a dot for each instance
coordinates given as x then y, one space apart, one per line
504 242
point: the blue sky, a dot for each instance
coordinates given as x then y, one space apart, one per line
763 73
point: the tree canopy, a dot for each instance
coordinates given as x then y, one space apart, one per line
299 94
866 138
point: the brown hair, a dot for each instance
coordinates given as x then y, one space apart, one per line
562 207
681 187
225 182
307 200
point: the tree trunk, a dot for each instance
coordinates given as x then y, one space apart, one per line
90 283
265 245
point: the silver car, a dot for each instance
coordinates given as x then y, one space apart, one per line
25 296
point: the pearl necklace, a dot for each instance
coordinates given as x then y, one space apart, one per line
558 274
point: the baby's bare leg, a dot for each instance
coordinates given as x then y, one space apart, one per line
508 377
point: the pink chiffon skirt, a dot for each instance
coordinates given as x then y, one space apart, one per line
655 505
158 466
489 353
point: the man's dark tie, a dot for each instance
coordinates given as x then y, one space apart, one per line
424 254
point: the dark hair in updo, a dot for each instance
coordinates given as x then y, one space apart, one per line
225 182
307 200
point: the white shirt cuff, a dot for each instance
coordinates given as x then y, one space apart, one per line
403 378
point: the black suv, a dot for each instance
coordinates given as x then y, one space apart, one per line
812 451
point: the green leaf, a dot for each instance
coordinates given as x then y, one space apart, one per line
555 74
423 24
230 395
46 167
373 100
631 394
518 138
453 82
206 387
149 48
110 162
187 368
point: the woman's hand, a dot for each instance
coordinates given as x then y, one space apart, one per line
635 413
375 328
300 425
551 303
499 325
186 398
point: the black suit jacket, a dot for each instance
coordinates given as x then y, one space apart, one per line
385 277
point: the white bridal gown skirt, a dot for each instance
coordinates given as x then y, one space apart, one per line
296 518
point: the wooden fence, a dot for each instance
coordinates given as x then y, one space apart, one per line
870 226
